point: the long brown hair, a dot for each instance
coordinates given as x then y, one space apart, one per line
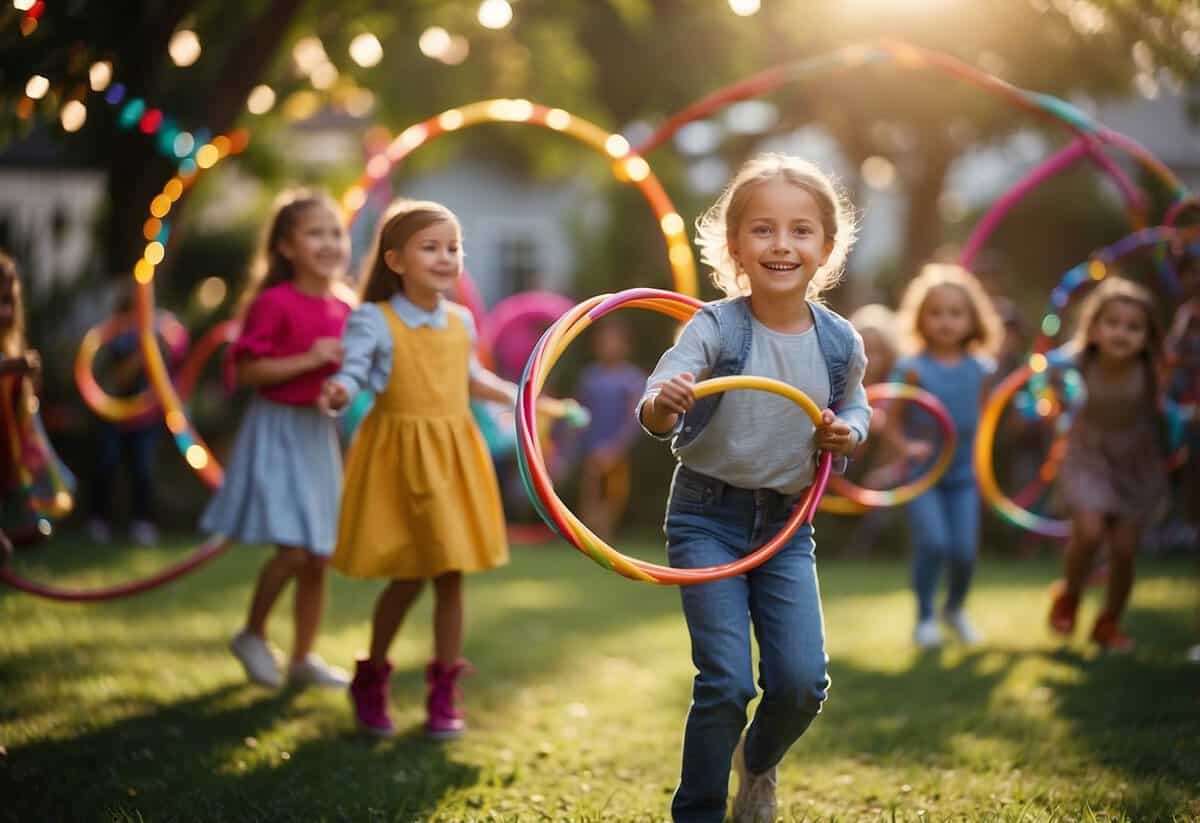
12 341
269 267
1120 289
400 221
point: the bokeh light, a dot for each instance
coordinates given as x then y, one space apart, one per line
73 115
184 143
324 76
184 48
745 8
434 42
308 53
878 172
359 102
261 99
211 293
457 51
37 86
100 75
366 50
495 14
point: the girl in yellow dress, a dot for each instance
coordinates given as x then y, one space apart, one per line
420 500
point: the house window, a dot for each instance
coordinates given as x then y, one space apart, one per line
519 263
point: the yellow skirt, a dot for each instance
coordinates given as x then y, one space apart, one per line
420 499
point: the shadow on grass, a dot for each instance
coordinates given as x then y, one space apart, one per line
189 759
211 758
1083 714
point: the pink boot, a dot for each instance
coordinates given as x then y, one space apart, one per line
445 721
369 695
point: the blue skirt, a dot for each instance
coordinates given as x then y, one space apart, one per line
283 482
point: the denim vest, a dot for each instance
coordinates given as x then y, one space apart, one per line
835 337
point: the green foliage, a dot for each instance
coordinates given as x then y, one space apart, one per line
613 62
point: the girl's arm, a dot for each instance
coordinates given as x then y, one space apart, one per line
843 431
669 392
28 363
267 371
365 342
893 429
255 353
854 409
1179 324
486 385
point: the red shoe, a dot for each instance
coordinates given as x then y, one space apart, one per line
1107 633
445 720
369 696
1062 609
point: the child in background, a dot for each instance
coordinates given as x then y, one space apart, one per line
1183 357
135 439
1114 476
951 331
776 239
1025 437
609 389
876 324
283 480
421 501
20 372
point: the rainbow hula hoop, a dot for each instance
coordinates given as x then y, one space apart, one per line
211 548
23 424
111 407
1077 279
985 469
908 56
628 166
855 499
537 479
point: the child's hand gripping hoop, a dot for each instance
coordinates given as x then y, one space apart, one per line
854 499
537 480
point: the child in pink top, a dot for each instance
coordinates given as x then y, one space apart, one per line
283 481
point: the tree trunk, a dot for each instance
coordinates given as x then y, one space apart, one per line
136 172
923 228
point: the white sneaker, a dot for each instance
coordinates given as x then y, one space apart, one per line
966 631
755 800
99 531
143 533
313 671
257 659
927 634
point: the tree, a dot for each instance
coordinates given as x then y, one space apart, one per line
614 61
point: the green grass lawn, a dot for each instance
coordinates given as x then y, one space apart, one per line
136 711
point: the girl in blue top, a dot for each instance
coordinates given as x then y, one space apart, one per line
952 331
776 240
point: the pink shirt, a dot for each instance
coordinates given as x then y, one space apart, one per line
284 321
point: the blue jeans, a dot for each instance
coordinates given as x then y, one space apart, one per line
709 523
944 528
139 447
